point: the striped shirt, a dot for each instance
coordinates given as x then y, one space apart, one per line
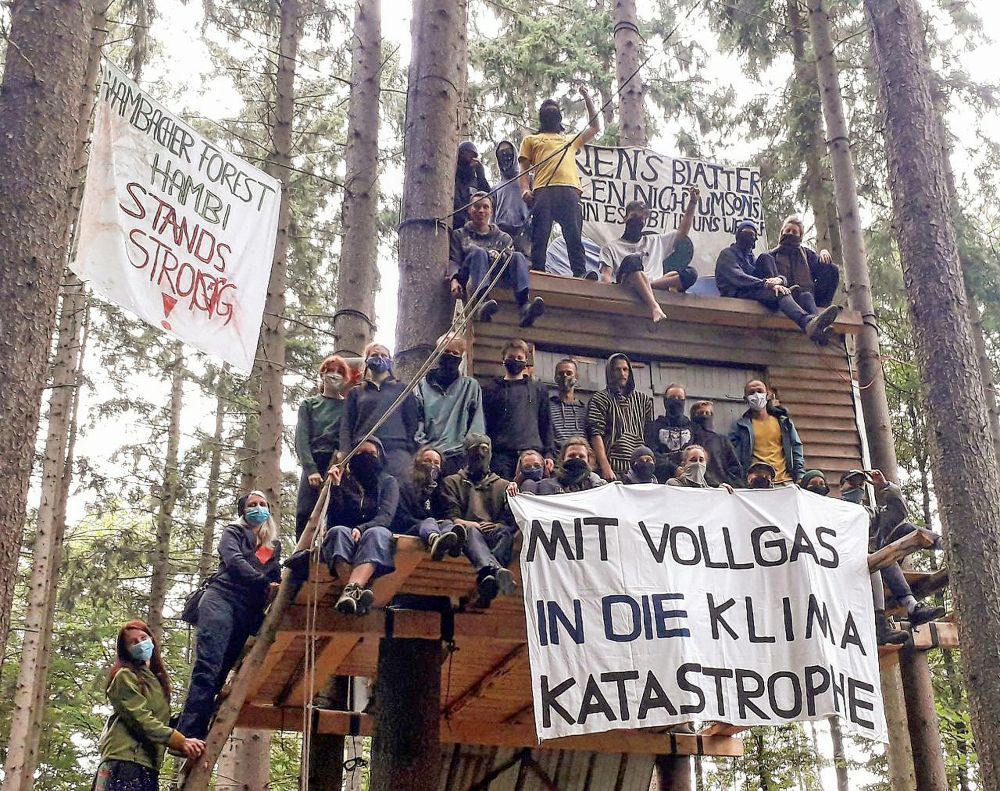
568 420
619 420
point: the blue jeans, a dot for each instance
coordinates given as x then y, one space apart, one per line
491 549
374 546
426 528
476 265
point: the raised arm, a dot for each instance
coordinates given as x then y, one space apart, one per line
688 219
594 127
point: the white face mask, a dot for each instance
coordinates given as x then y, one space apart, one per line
757 401
694 471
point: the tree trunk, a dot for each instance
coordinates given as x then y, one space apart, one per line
628 56
673 773
967 484
406 749
357 276
45 66
839 756
428 183
206 560
159 583
462 44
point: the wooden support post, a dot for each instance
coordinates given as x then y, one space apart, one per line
921 716
674 773
326 753
406 750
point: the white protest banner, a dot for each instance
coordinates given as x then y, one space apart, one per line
653 605
612 177
174 228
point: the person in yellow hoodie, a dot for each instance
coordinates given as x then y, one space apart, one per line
138 731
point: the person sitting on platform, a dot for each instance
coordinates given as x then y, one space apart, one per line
477 501
451 405
555 194
358 542
232 606
737 275
423 509
642 467
670 433
574 471
530 467
648 262
723 464
477 245
766 433
814 273
692 472
760 475
317 434
616 417
511 214
371 399
887 524
470 177
567 413
517 412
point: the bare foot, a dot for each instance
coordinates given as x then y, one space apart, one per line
658 316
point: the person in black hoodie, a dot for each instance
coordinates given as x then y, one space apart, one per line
470 177
423 509
642 468
723 464
815 274
738 275
512 214
232 606
670 433
367 402
574 472
517 413
358 541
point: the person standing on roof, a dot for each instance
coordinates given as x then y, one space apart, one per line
723 464
646 261
765 433
511 214
616 417
555 194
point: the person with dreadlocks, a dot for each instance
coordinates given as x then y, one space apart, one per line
232 606
550 155
137 732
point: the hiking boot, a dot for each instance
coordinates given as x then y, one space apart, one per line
505 581
488 310
817 324
531 310
924 614
440 543
886 633
347 604
487 587
461 536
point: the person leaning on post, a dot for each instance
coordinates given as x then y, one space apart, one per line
137 732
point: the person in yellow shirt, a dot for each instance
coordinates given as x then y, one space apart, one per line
549 156
765 433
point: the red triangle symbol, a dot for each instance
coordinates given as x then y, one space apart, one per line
168 303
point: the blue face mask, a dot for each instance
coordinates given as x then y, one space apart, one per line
257 515
533 475
142 651
378 364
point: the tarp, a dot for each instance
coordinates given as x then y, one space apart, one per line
652 605
173 227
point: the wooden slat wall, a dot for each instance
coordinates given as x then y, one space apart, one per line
814 383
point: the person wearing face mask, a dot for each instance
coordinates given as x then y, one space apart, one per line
616 417
232 607
470 176
517 412
642 467
137 733
815 274
371 399
574 472
317 434
644 262
670 433
738 275
554 196
451 405
477 501
760 475
567 412
512 214
476 245
723 464
358 541
887 524
423 509
530 467
693 470
766 433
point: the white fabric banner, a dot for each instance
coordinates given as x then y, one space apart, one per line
611 177
174 228
653 605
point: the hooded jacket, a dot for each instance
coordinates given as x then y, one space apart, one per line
417 504
352 504
468 178
517 416
483 501
510 210
736 270
619 417
466 238
791 445
241 576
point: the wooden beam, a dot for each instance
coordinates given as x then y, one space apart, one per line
337 649
899 549
888 655
936 634
722 729
492 677
492 734
282 641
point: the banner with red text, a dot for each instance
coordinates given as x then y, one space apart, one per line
653 605
173 227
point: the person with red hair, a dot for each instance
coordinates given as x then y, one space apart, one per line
138 732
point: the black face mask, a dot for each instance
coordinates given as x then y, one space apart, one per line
505 159
791 240
366 466
449 362
746 240
821 490
575 468
705 421
550 119
760 482
633 228
514 367
675 406
533 475
644 470
478 462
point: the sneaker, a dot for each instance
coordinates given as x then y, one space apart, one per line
487 587
461 536
531 310
347 604
886 633
440 543
505 581
488 310
818 323
591 276
366 598
923 614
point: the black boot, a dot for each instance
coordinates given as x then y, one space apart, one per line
921 614
886 633
531 310
487 310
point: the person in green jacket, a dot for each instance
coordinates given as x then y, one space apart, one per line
137 732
